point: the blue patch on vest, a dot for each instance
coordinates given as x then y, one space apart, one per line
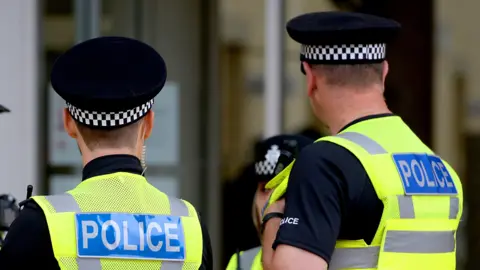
424 174
130 236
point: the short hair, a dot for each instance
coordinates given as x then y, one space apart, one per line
360 75
125 136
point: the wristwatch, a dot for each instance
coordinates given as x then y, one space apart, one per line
269 216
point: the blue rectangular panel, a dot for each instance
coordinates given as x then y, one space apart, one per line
130 236
424 174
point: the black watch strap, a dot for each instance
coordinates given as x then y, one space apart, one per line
269 216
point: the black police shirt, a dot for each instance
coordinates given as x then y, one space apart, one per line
329 197
28 242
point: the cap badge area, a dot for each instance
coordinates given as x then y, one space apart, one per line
267 166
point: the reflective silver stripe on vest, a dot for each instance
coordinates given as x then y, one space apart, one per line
396 241
178 207
361 258
169 265
420 242
371 146
247 258
405 204
64 203
454 201
89 263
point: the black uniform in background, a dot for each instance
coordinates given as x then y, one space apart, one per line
237 211
28 245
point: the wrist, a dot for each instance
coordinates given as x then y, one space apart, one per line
270 216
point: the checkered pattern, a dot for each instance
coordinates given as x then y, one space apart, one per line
109 119
339 53
267 166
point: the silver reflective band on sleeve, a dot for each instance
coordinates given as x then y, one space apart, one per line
397 242
89 264
420 242
178 207
63 203
170 265
371 146
247 258
361 258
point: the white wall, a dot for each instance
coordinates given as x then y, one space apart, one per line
19 88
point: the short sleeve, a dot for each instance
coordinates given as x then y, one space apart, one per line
315 199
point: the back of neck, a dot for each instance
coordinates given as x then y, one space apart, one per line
353 109
88 156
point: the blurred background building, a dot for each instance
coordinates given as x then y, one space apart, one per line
211 112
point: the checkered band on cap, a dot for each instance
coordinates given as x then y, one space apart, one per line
109 119
334 53
267 166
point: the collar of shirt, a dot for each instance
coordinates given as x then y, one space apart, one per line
368 117
112 164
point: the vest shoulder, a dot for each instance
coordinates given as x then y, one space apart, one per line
233 262
254 250
325 149
191 209
189 204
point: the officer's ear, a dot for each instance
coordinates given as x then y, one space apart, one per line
311 82
385 71
148 124
69 124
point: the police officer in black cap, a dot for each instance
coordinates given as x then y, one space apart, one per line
271 155
358 199
114 219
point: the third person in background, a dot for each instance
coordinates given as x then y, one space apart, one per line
372 195
269 152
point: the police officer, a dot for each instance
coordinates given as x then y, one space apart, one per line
114 219
272 154
372 195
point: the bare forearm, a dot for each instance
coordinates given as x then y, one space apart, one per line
269 236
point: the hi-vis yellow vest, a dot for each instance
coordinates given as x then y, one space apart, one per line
422 197
119 221
249 260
